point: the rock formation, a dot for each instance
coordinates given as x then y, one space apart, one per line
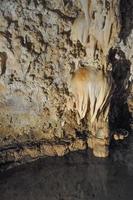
97 28
42 42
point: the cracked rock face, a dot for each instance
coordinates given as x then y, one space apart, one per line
38 53
35 63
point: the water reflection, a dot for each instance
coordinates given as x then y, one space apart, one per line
77 176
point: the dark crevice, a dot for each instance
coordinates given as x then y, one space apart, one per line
68 2
110 34
119 116
104 22
3 59
126 11
62 15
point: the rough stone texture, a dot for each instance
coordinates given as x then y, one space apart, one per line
35 65
38 55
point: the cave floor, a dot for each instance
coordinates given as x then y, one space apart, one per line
76 176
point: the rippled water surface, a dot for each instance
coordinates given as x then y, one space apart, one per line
77 176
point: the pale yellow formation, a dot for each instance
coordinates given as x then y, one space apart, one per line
97 28
91 89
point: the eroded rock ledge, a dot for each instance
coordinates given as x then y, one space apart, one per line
18 153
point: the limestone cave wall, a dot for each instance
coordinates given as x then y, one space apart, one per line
41 43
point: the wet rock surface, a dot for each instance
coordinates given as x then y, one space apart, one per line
76 176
